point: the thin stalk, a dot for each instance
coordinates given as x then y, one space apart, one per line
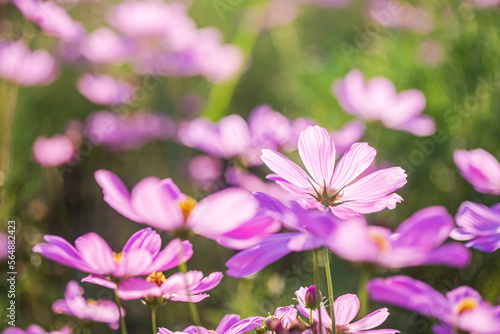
316 281
153 319
330 289
195 316
123 327
363 293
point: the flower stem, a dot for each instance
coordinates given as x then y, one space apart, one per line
153 319
123 327
363 293
316 281
195 316
330 289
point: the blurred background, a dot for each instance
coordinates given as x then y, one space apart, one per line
291 53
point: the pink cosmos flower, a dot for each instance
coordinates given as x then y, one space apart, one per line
401 15
104 46
285 321
52 19
419 240
229 216
230 324
378 100
346 308
336 188
479 226
480 169
35 329
181 287
26 68
54 151
234 138
75 305
462 308
140 256
103 89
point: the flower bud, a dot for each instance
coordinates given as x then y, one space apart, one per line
273 323
310 298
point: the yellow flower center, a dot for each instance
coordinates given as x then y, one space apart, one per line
157 278
187 206
91 301
381 242
117 256
466 304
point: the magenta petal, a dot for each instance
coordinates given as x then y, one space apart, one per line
245 325
99 280
286 169
480 169
134 263
419 126
136 288
171 256
59 250
226 322
317 152
146 239
373 319
96 253
208 283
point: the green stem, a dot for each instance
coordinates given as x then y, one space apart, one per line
153 319
221 94
123 327
330 289
195 316
316 281
363 293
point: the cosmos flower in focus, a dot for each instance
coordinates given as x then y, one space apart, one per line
336 188
378 100
462 308
346 308
480 169
75 305
479 226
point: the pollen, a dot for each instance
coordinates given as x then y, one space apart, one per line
117 256
381 242
157 278
187 206
91 301
466 304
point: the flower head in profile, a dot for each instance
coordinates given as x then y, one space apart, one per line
141 255
462 308
74 304
480 169
230 324
230 216
479 226
337 188
156 287
346 308
378 100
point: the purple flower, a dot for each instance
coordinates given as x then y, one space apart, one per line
204 169
378 100
337 188
347 135
480 169
75 305
479 226
140 256
285 321
104 46
181 287
26 68
4 253
401 15
462 308
52 19
234 138
229 216
103 89
346 308
35 329
230 324
419 240
54 151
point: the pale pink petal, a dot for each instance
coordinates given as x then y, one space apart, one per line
419 126
171 255
373 319
99 280
286 169
134 263
354 162
96 253
146 239
136 288
346 307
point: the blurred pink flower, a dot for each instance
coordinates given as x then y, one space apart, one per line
347 135
401 15
346 307
105 46
486 3
378 100
204 169
4 252
54 151
74 304
52 19
103 89
338 189
229 216
35 329
26 68
230 324
188 287
480 169
479 226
